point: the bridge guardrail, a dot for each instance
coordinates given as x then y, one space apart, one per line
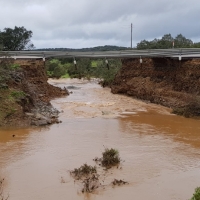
186 52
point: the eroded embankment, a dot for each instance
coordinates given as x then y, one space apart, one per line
164 81
26 101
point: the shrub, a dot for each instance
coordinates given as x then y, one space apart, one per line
84 170
107 73
110 157
190 110
55 68
196 195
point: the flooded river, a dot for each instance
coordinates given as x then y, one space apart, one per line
161 151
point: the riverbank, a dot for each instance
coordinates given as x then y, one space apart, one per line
25 99
171 83
157 148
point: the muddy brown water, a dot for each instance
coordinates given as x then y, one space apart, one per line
161 151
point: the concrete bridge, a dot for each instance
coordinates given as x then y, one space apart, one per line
186 53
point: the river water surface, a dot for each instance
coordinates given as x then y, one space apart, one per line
160 151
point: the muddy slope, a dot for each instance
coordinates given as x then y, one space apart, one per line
32 108
164 81
35 83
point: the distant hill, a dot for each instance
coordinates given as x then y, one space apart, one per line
98 48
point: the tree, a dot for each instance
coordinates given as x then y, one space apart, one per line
144 44
182 42
166 42
196 45
16 39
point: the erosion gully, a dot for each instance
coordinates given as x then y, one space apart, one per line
160 151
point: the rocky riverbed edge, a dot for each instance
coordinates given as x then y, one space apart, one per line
25 99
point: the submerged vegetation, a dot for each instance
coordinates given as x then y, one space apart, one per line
84 170
88 176
110 157
2 197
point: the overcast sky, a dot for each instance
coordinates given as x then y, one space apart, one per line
89 23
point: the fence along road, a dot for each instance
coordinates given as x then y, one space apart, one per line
170 53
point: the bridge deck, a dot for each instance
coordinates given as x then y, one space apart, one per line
171 53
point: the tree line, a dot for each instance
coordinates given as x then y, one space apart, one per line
167 42
19 38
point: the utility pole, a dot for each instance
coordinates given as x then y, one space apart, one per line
131 34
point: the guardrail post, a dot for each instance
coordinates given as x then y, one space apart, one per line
106 61
75 63
140 60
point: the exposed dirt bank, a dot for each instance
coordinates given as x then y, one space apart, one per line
26 101
164 81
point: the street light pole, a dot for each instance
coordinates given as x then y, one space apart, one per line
131 34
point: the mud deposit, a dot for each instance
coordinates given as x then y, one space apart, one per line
161 151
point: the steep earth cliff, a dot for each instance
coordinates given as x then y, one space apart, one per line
26 101
164 81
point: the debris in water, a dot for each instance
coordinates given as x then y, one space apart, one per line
119 182
88 176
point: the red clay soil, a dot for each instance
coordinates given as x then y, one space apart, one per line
164 81
31 78
35 81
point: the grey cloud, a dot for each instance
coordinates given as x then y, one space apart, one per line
85 23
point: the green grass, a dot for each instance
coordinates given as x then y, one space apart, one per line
65 76
95 63
8 105
18 94
15 66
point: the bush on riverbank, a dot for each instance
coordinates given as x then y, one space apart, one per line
5 72
192 109
55 69
196 195
108 72
84 68
9 98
